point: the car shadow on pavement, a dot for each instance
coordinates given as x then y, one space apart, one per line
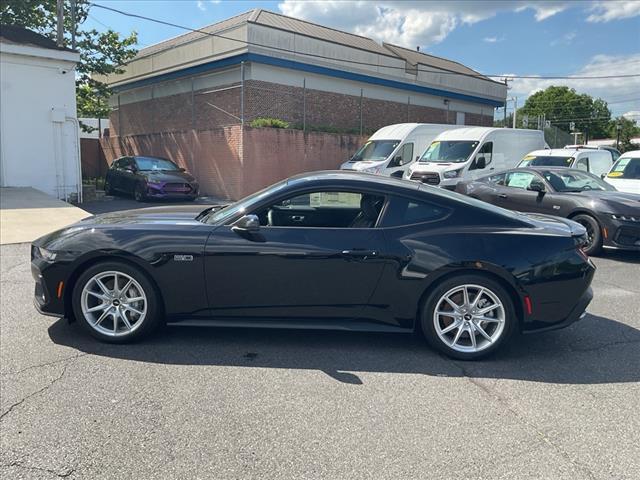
593 351
622 256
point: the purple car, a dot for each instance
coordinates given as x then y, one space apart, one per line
150 177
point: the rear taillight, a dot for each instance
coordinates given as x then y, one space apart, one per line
583 254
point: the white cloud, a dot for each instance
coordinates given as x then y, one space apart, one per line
200 5
410 24
606 11
494 39
566 39
623 93
632 115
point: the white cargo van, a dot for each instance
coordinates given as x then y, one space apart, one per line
468 153
590 160
394 148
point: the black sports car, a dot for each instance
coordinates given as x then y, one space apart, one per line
611 218
329 250
150 177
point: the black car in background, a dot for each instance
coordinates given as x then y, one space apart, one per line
611 218
150 177
328 250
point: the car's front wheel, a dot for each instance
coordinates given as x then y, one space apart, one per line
594 235
115 302
139 193
468 317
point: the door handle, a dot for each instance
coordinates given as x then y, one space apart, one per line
297 218
502 195
359 253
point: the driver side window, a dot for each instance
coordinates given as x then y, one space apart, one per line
486 151
404 156
324 209
519 180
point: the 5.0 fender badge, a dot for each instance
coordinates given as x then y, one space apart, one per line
183 258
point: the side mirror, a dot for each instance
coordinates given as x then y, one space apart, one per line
247 224
537 187
396 162
603 175
481 161
182 169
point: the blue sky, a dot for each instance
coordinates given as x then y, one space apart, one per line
520 37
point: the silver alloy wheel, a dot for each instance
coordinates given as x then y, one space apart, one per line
113 303
469 318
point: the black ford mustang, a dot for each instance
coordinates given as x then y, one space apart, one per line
611 218
329 250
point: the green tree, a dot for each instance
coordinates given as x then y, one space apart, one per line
101 53
563 105
628 129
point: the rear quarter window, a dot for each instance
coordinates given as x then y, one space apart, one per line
405 211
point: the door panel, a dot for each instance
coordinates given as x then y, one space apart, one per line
295 272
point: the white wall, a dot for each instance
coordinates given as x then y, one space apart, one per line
38 130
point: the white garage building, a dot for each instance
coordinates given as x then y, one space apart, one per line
39 145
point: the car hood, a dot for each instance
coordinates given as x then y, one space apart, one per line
614 202
160 176
154 217
167 214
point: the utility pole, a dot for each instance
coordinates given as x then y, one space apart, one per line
73 24
60 20
515 110
506 84
618 129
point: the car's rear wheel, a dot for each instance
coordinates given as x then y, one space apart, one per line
139 193
468 317
115 302
594 234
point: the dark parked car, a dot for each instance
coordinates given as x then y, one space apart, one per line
150 177
329 250
611 218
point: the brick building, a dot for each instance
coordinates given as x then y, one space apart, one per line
262 64
185 97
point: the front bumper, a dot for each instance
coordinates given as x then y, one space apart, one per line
577 313
620 233
49 291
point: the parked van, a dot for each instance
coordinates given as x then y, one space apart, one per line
394 148
597 162
468 153
625 173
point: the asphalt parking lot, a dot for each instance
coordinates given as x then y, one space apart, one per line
231 403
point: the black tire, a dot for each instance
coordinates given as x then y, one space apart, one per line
594 233
151 320
434 297
108 189
139 193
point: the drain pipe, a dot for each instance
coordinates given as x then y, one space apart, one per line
76 124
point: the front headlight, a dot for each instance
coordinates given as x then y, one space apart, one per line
48 255
374 170
452 173
625 218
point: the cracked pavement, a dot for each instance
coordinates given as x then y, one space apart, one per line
231 403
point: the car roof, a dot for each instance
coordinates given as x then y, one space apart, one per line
350 176
550 152
631 154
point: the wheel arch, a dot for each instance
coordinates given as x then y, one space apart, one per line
104 257
492 272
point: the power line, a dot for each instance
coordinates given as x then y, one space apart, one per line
441 72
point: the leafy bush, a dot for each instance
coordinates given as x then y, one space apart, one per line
269 122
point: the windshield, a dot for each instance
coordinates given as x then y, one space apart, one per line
626 167
375 150
453 151
545 161
218 217
574 181
152 163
